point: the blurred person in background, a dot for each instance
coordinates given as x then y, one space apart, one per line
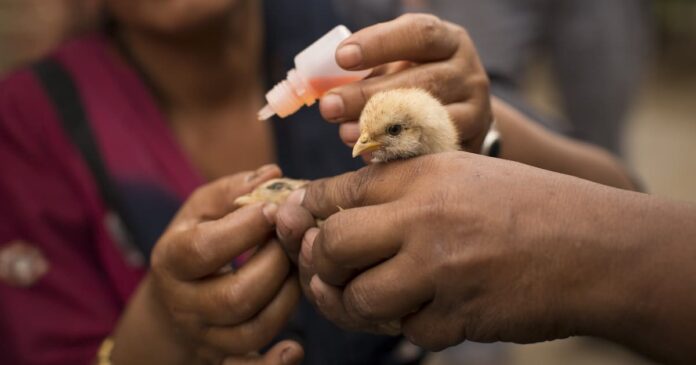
162 101
31 28
598 51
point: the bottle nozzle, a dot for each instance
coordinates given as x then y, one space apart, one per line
265 113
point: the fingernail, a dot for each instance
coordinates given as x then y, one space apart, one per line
349 56
282 231
286 356
349 132
308 245
296 197
332 107
270 210
260 171
265 168
315 286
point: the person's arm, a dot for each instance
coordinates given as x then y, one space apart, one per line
527 142
146 335
647 299
503 251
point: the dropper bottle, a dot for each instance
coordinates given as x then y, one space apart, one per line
315 73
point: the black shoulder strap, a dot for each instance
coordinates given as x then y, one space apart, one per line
62 91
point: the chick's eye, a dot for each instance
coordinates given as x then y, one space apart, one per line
394 129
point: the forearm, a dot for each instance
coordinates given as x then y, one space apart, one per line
526 142
668 278
642 273
144 334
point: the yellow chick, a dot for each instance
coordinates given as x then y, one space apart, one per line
404 123
272 191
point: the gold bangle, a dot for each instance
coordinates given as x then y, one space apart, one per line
104 353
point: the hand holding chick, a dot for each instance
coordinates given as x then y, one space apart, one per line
457 253
274 191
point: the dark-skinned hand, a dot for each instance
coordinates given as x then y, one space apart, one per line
458 247
225 314
414 50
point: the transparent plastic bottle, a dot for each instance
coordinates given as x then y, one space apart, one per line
315 73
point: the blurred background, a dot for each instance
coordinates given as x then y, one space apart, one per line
659 139
650 62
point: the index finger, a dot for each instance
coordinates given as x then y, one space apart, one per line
410 37
209 246
374 184
216 199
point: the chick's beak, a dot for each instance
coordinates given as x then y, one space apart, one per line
365 145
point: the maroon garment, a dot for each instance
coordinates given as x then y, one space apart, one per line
49 201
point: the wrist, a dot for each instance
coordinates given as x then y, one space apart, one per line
593 252
146 334
652 309
614 246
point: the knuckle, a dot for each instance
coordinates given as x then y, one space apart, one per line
436 343
430 29
480 83
195 249
158 259
453 76
359 300
332 239
234 185
357 186
199 193
284 228
427 339
430 81
233 300
168 254
363 95
435 207
316 192
255 336
461 32
223 341
228 188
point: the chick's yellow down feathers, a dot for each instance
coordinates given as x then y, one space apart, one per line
403 123
272 191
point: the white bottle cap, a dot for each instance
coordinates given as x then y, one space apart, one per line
288 96
315 72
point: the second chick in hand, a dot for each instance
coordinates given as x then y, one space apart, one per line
272 191
404 123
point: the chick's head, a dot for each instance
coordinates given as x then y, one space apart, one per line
404 123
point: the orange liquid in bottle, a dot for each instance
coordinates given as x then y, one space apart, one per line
323 84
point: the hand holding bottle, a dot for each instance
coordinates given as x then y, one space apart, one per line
414 50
